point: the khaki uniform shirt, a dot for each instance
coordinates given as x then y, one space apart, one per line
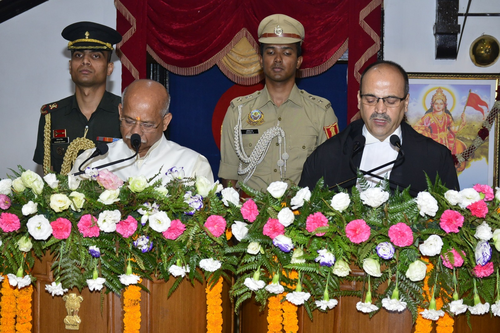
307 121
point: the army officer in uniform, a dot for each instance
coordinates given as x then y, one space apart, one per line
77 122
267 136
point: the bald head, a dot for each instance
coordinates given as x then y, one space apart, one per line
144 111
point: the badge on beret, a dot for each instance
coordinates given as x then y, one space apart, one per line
255 117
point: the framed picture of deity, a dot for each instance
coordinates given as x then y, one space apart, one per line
459 111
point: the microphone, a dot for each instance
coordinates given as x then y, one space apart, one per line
395 141
100 149
135 142
358 145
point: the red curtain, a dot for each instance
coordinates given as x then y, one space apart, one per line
190 36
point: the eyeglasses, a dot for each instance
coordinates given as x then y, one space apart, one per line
145 126
389 101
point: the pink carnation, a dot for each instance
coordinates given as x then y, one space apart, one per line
478 208
109 180
483 271
401 235
486 190
216 225
9 222
451 220
249 210
458 261
315 221
357 231
61 228
273 228
127 227
175 230
88 226
4 202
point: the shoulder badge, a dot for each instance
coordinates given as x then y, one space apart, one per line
320 101
243 99
47 108
331 130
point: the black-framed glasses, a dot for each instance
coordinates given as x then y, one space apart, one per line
389 101
145 126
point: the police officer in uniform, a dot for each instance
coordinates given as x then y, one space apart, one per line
77 122
267 136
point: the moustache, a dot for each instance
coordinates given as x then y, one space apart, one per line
382 116
129 136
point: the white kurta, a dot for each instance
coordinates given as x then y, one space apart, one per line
162 156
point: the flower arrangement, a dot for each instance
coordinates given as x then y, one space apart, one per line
288 246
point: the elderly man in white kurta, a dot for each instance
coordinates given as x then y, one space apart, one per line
145 112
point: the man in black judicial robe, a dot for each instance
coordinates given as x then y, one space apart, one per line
366 143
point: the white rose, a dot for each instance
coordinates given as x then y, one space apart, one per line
452 196
468 196
18 185
341 268
372 266
137 184
374 197
277 189
297 256
59 202
29 208
496 239
218 187
203 186
239 230
73 182
210 265
302 195
432 246
160 221
32 181
254 285
51 180
109 197
162 190
77 200
286 216
340 201
108 219
230 195
483 232
416 271
24 244
178 270
6 186
426 204
39 227
254 248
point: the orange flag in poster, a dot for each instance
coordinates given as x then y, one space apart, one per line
474 101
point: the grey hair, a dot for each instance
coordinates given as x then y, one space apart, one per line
163 111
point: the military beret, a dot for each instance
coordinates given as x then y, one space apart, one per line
280 29
90 36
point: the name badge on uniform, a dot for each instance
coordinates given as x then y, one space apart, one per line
255 117
59 136
60 140
250 131
106 139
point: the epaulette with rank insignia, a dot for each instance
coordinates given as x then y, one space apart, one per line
320 101
48 108
243 99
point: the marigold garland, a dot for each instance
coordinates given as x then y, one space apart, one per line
23 321
214 307
8 308
132 309
290 320
274 314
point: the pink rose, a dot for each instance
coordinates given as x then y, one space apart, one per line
451 220
401 235
357 231
483 271
478 208
4 202
458 261
315 221
88 226
216 225
61 228
175 230
486 190
9 222
249 210
109 180
127 227
273 228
